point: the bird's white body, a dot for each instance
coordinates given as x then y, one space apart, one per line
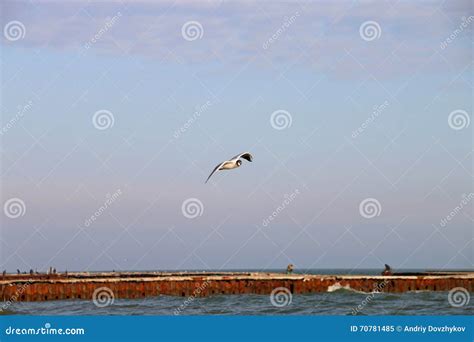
229 165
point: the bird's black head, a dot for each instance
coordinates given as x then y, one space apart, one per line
239 162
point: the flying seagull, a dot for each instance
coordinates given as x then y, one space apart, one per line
235 162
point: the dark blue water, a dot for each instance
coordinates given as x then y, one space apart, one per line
340 302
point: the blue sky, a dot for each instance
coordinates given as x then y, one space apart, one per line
74 58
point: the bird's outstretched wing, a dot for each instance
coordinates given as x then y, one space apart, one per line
213 171
245 155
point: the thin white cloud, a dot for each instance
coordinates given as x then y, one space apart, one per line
237 31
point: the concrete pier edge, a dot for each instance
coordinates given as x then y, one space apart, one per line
59 286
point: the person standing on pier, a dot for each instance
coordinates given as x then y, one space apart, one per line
387 271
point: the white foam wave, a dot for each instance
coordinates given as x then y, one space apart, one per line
339 287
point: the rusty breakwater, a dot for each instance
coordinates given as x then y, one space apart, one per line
42 287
